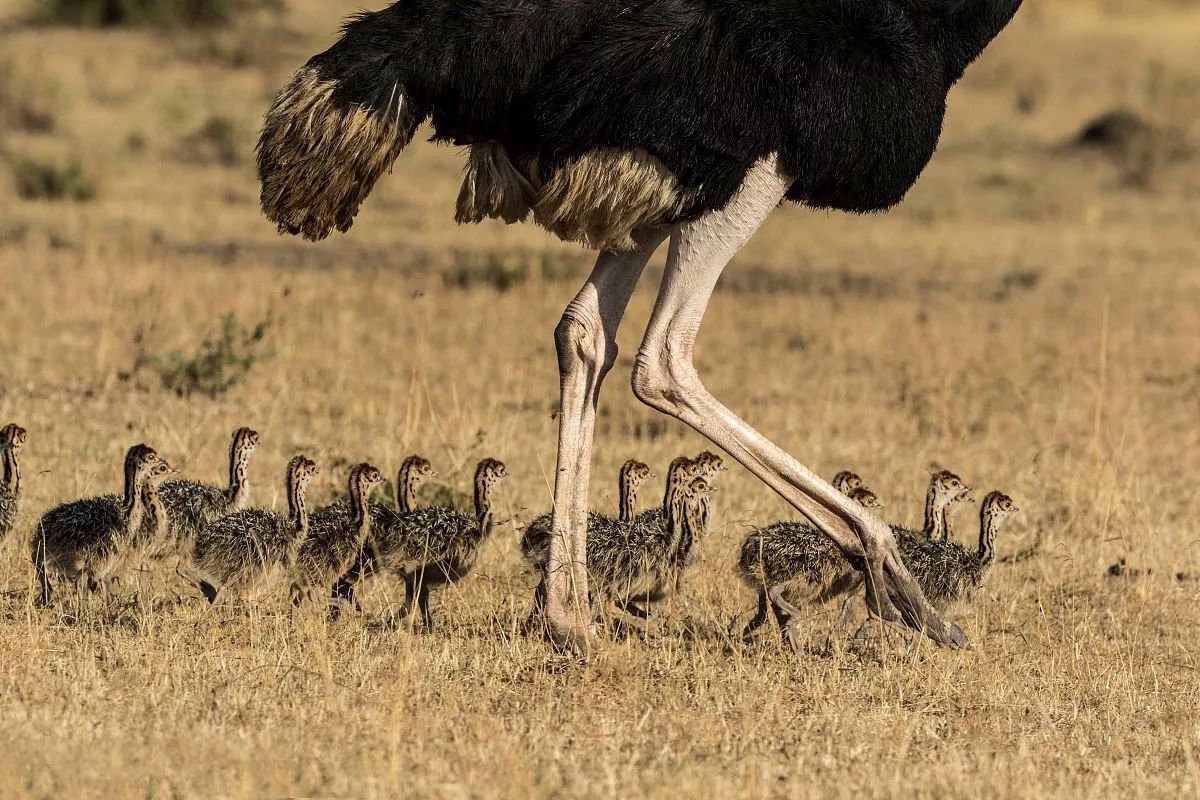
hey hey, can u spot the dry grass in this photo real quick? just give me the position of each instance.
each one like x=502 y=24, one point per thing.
x=1027 y=318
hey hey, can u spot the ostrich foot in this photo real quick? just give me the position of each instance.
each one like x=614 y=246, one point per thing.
x=902 y=599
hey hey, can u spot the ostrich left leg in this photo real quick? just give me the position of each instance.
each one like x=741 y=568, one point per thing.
x=587 y=348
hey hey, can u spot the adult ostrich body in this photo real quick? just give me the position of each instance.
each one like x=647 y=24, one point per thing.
x=622 y=124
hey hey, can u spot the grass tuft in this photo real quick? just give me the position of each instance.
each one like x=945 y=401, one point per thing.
x=38 y=179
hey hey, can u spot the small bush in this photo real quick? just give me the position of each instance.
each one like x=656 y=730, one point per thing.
x=158 y=13
x=220 y=363
x=1138 y=147
x=494 y=270
x=43 y=180
x=215 y=142
x=504 y=270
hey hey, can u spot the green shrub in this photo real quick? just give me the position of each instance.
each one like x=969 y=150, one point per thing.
x=499 y=271
x=220 y=363
x=214 y=142
x=44 y=180
x=159 y=13
x=504 y=270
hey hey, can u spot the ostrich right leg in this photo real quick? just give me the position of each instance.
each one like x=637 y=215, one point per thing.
x=45 y=592
x=771 y=602
x=666 y=379
x=412 y=582
x=423 y=607
x=585 y=340
x=83 y=591
x=760 y=616
x=344 y=589
x=189 y=573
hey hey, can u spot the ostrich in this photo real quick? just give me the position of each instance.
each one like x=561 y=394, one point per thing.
x=12 y=439
x=434 y=546
x=778 y=558
x=783 y=557
x=88 y=541
x=865 y=498
x=726 y=110
x=641 y=551
x=335 y=539
x=535 y=542
x=947 y=570
x=191 y=505
x=414 y=471
x=235 y=551
x=846 y=481
x=944 y=486
x=629 y=480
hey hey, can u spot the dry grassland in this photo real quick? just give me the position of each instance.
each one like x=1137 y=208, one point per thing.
x=1029 y=318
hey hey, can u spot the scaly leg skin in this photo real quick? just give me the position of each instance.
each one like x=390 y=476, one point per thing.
x=190 y=574
x=423 y=607
x=45 y=592
x=346 y=586
x=83 y=590
x=585 y=341
x=785 y=614
x=666 y=379
x=759 y=617
x=536 y=619
x=411 y=582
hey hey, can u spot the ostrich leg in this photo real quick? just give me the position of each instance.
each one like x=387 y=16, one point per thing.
x=586 y=344
x=665 y=378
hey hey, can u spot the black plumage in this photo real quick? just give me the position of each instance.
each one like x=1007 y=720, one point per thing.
x=335 y=538
x=191 y=505
x=235 y=551
x=851 y=95
x=385 y=525
x=89 y=541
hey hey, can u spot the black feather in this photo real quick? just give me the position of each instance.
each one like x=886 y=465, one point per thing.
x=851 y=94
